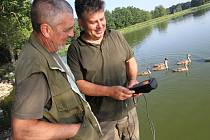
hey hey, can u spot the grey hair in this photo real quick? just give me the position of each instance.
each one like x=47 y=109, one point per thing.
x=46 y=11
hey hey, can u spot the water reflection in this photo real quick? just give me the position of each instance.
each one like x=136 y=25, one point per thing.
x=136 y=37
x=180 y=18
x=162 y=27
x=200 y=12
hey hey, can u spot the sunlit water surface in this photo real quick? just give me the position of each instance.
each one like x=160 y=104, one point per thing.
x=180 y=106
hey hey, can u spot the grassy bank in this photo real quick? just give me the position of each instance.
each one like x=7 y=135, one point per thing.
x=162 y=19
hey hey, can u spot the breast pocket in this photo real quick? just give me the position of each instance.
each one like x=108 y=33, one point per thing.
x=69 y=107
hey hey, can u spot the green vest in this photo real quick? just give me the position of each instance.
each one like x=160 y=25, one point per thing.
x=67 y=106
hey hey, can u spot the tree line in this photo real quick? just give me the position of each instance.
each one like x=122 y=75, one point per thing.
x=15 y=23
x=126 y=16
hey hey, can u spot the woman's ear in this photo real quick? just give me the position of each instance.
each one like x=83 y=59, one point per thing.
x=45 y=30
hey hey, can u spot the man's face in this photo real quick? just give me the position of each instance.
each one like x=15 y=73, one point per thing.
x=62 y=31
x=94 y=24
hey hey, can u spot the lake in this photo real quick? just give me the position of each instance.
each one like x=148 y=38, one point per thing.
x=180 y=106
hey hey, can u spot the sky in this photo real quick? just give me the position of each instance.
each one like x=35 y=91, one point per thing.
x=147 y=5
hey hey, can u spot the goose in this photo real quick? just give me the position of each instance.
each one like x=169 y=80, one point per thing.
x=145 y=73
x=161 y=66
x=181 y=69
x=207 y=60
x=185 y=61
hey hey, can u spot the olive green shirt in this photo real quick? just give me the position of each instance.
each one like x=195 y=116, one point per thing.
x=31 y=96
x=103 y=64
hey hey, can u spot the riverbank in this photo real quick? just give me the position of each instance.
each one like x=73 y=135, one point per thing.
x=162 y=19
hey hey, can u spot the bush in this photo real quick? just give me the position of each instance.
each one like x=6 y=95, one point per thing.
x=5 y=56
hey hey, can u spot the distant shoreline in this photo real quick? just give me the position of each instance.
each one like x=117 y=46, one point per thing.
x=162 y=19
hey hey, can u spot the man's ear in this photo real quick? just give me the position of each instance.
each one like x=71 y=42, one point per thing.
x=80 y=24
x=45 y=30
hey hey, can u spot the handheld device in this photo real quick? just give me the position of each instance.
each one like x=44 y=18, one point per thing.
x=145 y=86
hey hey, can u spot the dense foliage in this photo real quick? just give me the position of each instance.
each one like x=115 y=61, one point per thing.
x=126 y=16
x=159 y=12
x=14 y=23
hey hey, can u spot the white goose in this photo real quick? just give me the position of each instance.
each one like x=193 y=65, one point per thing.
x=181 y=69
x=161 y=66
x=145 y=73
x=185 y=61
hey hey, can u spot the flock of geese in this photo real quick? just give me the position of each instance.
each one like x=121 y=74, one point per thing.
x=164 y=66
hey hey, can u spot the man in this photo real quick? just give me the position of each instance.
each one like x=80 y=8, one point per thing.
x=104 y=68
x=48 y=104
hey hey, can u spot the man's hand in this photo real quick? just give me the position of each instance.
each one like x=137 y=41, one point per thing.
x=131 y=84
x=120 y=93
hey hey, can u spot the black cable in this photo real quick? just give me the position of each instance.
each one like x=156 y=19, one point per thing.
x=151 y=124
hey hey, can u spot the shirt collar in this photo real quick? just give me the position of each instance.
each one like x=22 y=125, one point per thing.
x=82 y=42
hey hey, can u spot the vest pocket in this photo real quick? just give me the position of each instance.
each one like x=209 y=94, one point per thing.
x=68 y=106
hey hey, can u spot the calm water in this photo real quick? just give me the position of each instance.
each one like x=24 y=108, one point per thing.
x=180 y=107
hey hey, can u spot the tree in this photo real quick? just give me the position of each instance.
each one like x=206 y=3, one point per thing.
x=122 y=17
x=159 y=11
x=178 y=7
x=196 y=3
x=186 y=5
x=139 y=15
x=14 y=24
x=109 y=20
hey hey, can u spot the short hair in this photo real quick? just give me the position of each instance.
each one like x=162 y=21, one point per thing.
x=47 y=11
x=82 y=6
